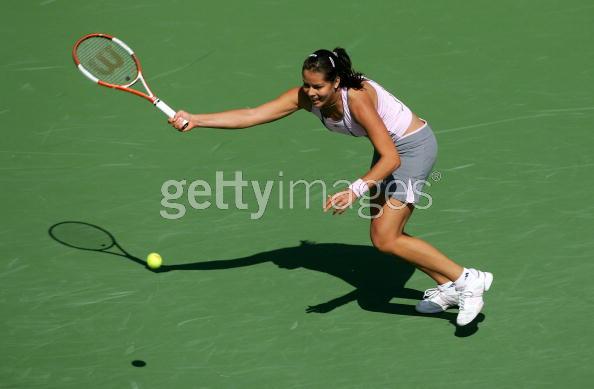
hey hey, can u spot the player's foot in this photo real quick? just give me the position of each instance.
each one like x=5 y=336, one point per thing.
x=438 y=299
x=471 y=296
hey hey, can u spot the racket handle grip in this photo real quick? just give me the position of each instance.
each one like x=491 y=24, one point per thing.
x=167 y=110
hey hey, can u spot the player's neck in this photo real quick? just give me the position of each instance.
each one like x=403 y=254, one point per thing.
x=334 y=108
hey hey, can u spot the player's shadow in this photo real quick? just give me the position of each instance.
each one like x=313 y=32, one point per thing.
x=377 y=278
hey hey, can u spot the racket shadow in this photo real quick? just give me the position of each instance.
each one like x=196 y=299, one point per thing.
x=89 y=237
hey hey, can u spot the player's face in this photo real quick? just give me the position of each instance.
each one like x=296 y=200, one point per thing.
x=320 y=92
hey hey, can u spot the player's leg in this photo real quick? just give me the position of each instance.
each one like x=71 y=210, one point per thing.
x=378 y=202
x=435 y=300
x=387 y=235
x=393 y=207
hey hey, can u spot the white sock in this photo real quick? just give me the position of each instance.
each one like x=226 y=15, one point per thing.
x=443 y=287
x=461 y=281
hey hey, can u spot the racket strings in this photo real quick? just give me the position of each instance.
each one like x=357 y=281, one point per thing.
x=107 y=61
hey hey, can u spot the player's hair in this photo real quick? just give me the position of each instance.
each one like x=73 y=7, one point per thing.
x=332 y=64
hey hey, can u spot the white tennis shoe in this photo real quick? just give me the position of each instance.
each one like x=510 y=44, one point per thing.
x=438 y=299
x=471 y=296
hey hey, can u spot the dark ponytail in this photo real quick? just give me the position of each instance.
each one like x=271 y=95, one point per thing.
x=332 y=64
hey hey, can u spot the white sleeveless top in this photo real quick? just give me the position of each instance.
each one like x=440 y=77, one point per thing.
x=395 y=115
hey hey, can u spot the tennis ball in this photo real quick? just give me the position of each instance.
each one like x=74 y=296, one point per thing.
x=154 y=260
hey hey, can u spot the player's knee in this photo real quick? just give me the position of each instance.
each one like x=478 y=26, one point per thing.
x=382 y=242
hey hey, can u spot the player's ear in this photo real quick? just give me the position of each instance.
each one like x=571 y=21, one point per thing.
x=337 y=82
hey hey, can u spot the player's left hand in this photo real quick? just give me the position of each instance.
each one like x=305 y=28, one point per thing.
x=340 y=201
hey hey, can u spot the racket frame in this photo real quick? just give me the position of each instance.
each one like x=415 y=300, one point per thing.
x=160 y=104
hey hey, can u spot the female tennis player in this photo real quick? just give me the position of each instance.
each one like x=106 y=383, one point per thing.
x=405 y=150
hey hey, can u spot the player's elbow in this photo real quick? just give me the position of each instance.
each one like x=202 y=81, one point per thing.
x=393 y=161
x=251 y=117
x=242 y=118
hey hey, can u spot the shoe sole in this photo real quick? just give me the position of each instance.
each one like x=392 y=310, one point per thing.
x=429 y=312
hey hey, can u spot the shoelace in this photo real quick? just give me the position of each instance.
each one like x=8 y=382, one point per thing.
x=430 y=293
x=462 y=297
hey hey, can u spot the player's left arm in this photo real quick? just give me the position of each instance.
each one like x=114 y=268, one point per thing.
x=363 y=111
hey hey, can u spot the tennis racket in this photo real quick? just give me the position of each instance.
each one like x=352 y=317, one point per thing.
x=109 y=62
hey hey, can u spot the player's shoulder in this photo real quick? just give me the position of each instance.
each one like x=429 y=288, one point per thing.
x=302 y=100
x=292 y=93
x=294 y=96
x=360 y=96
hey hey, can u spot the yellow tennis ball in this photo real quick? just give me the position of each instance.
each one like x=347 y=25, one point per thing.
x=154 y=260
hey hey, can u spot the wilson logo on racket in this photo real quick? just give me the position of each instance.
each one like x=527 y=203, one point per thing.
x=109 y=62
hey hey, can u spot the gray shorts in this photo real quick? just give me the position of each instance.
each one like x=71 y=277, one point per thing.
x=418 y=153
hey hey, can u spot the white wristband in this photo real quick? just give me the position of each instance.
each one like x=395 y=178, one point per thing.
x=359 y=187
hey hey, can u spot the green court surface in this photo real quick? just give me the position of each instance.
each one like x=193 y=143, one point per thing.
x=507 y=87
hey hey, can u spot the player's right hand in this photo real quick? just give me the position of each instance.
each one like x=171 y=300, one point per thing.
x=178 y=121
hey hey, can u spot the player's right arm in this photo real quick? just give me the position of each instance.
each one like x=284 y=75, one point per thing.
x=284 y=105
